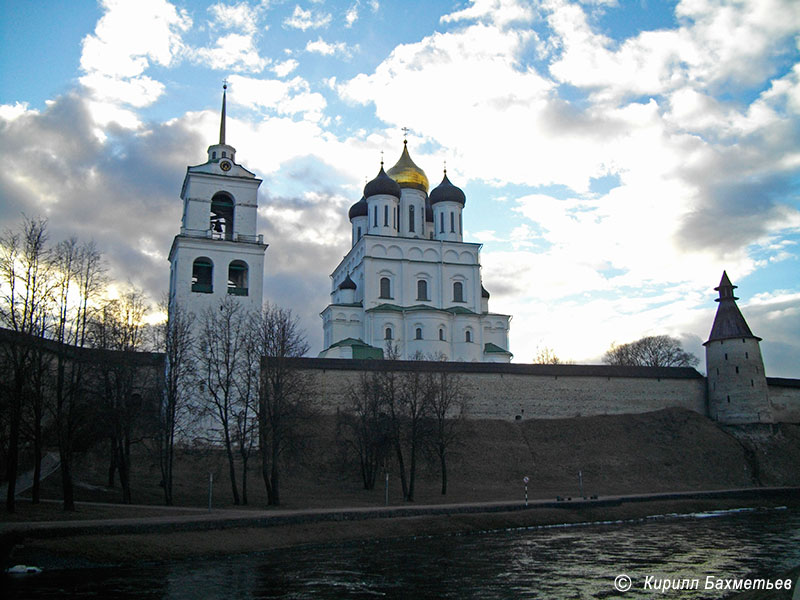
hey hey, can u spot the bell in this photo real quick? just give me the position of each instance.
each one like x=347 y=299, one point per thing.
x=218 y=227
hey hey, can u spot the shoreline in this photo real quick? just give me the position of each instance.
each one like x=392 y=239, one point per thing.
x=118 y=542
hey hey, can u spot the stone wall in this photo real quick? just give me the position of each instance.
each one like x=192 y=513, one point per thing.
x=508 y=391
x=784 y=396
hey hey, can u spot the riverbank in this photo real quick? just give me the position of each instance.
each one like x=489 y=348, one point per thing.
x=105 y=542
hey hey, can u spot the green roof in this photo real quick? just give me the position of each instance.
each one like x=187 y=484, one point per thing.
x=360 y=348
x=491 y=348
x=458 y=310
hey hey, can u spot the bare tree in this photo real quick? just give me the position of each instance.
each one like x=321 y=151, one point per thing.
x=120 y=326
x=448 y=411
x=220 y=357
x=546 y=356
x=285 y=392
x=651 y=351
x=26 y=279
x=416 y=395
x=177 y=344
x=363 y=426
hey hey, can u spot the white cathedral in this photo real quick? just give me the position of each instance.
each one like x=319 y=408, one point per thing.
x=409 y=279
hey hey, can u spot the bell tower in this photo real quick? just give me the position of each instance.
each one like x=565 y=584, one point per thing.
x=218 y=251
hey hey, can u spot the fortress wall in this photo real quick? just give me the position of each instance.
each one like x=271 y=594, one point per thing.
x=784 y=396
x=505 y=391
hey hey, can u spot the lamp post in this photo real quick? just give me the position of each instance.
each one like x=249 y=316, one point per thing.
x=525 y=480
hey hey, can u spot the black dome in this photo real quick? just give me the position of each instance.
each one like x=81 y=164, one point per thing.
x=359 y=209
x=447 y=192
x=347 y=283
x=382 y=184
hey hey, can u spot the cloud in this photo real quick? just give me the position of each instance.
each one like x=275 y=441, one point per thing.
x=282 y=69
x=351 y=16
x=232 y=51
x=115 y=57
x=306 y=19
x=327 y=49
x=284 y=97
x=241 y=17
x=501 y=12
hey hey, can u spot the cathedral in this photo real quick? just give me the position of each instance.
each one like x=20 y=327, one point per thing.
x=409 y=281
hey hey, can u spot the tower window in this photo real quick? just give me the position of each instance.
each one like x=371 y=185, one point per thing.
x=385 y=288
x=387 y=334
x=441 y=334
x=224 y=154
x=746 y=355
x=452 y=222
x=729 y=399
x=213 y=155
x=752 y=383
x=460 y=225
x=237 y=278
x=411 y=218
x=468 y=336
x=422 y=290
x=203 y=275
x=418 y=333
x=358 y=234
x=386 y=216
x=458 y=292
x=221 y=219
x=726 y=356
x=441 y=222
x=737 y=369
x=375 y=215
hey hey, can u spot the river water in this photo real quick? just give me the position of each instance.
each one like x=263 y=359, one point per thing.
x=551 y=562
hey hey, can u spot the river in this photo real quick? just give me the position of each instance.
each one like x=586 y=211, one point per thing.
x=553 y=562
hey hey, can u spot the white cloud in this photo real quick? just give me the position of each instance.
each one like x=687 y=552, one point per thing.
x=9 y=112
x=241 y=17
x=306 y=19
x=282 y=69
x=351 y=16
x=232 y=51
x=284 y=97
x=117 y=54
x=328 y=49
x=501 y=12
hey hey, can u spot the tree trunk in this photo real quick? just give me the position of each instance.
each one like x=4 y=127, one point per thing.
x=112 y=462
x=12 y=465
x=37 y=465
x=275 y=499
x=412 y=473
x=402 y=467
x=443 y=463
x=124 y=473
x=244 y=480
x=66 y=479
x=231 y=469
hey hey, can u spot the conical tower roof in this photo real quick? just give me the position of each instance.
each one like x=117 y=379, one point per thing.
x=407 y=174
x=729 y=322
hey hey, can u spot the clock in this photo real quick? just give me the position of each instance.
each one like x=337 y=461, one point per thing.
x=225 y=165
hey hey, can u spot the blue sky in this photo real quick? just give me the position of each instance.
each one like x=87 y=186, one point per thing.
x=616 y=156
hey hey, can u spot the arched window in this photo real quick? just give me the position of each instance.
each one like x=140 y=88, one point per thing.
x=411 y=217
x=387 y=335
x=441 y=222
x=460 y=224
x=458 y=292
x=452 y=222
x=441 y=334
x=237 y=278
x=221 y=220
x=418 y=333
x=386 y=215
x=203 y=275
x=375 y=216
x=422 y=289
x=358 y=235
x=468 y=336
x=386 y=288
x=213 y=155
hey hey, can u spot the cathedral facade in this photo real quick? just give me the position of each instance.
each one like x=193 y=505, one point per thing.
x=409 y=282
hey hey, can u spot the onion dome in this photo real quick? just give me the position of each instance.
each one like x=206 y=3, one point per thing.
x=347 y=283
x=407 y=174
x=382 y=184
x=484 y=293
x=447 y=192
x=359 y=209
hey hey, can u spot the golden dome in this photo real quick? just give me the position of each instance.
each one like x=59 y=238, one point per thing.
x=407 y=174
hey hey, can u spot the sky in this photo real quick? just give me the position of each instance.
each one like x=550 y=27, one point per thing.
x=616 y=156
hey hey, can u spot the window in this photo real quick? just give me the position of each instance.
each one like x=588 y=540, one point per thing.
x=224 y=154
x=422 y=289
x=458 y=292
x=203 y=275
x=441 y=334
x=746 y=355
x=418 y=333
x=358 y=234
x=213 y=155
x=411 y=218
x=386 y=216
x=375 y=215
x=441 y=222
x=468 y=336
x=221 y=219
x=386 y=290
x=237 y=278
x=737 y=370
x=387 y=335
x=452 y=222
x=460 y=224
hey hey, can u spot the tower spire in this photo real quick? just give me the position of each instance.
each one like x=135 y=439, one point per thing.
x=222 y=119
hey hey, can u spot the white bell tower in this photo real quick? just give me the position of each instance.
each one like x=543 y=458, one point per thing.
x=218 y=251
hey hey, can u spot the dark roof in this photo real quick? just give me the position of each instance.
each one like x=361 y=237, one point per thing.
x=505 y=368
x=484 y=293
x=728 y=322
x=459 y=310
x=359 y=209
x=783 y=382
x=382 y=184
x=447 y=192
x=490 y=348
x=347 y=283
